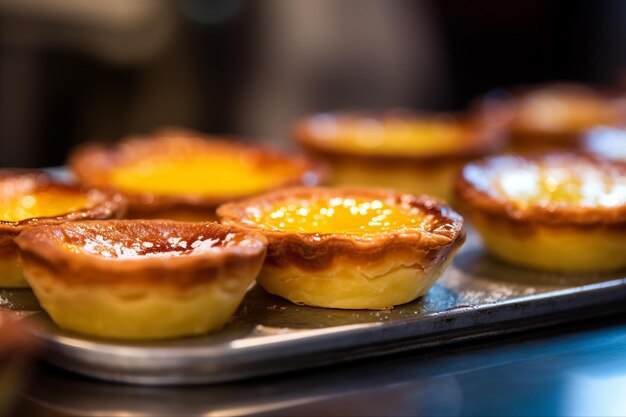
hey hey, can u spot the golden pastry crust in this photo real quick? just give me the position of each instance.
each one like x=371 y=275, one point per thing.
x=563 y=212
x=95 y=164
x=475 y=189
x=346 y=270
x=469 y=136
x=191 y=276
x=17 y=184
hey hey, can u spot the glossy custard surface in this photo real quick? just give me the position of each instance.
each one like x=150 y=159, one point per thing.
x=41 y=203
x=552 y=181
x=358 y=216
x=125 y=241
x=387 y=135
x=205 y=175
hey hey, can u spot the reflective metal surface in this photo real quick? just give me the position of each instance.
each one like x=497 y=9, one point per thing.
x=571 y=370
x=476 y=297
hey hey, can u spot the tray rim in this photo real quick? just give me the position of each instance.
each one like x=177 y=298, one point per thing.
x=178 y=365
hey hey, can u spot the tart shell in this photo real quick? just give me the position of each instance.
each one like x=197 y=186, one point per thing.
x=549 y=236
x=339 y=270
x=144 y=293
x=528 y=136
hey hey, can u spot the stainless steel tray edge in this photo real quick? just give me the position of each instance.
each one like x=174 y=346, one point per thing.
x=269 y=350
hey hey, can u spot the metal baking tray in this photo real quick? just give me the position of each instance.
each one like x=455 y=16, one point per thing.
x=477 y=296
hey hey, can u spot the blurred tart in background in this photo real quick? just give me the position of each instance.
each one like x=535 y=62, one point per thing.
x=553 y=117
x=140 y=279
x=411 y=152
x=349 y=248
x=29 y=198
x=559 y=211
x=181 y=175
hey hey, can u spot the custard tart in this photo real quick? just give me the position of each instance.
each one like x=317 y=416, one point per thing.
x=349 y=248
x=29 y=198
x=560 y=211
x=181 y=175
x=411 y=152
x=140 y=279
x=553 y=117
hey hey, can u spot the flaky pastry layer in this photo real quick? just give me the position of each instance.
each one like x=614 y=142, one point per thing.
x=552 y=247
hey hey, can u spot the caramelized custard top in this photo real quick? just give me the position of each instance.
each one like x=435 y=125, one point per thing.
x=338 y=214
x=223 y=173
x=357 y=212
x=387 y=135
x=556 y=180
x=129 y=240
x=187 y=168
x=395 y=135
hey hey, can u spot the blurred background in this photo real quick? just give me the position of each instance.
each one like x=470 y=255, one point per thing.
x=73 y=71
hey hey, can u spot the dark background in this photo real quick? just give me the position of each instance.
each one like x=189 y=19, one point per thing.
x=73 y=71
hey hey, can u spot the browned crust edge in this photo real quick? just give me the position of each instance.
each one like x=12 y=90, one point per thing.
x=107 y=205
x=37 y=245
x=470 y=199
x=311 y=251
x=92 y=162
x=483 y=137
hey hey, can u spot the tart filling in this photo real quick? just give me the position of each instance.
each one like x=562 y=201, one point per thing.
x=30 y=198
x=349 y=248
x=412 y=152
x=392 y=135
x=556 y=211
x=140 y=279
x=177 y=173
